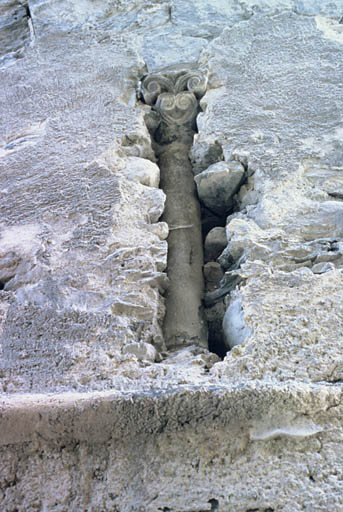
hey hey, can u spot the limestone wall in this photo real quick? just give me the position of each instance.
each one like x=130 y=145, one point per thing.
x=97 y=412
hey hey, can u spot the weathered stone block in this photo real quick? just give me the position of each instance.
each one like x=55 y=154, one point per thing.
x=217 y=185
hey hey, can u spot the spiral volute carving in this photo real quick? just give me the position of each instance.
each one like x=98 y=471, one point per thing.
x=175 y=95
x=153 y=85
x=178 y=109
x=194 y=82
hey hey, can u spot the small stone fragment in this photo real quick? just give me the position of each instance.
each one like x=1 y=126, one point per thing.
x=321 y=268
x=143 y=171
x=215 y=243
x=213 y=273
x=235 y=331
x=143 y=351
x=160 y=229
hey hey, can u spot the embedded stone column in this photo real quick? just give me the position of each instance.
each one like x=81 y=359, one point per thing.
x=174 y=99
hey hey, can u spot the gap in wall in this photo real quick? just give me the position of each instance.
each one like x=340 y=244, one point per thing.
x=172 y=128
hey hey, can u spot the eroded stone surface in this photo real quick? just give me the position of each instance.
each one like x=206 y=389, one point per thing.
x=16 y=31
x=77 y=248
x=83 y=257
x=233 y=445
x=293 y=222
x=217 y=185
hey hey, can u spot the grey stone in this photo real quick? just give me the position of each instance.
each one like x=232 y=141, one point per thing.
x=83 y=258
x=15 y=31
x=320 y=268
x=143 y=351
x=104 y=432
x=218 y=184
x=143 y=171
x=213 y=274
x=174 y=97
x=234 y=328
x=215 y=243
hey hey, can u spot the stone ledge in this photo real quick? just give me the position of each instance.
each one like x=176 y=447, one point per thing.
x=101 y=416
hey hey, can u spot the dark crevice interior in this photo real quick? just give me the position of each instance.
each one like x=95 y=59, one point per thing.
x=216 y=343
x=214 y=504
x=210 y=220
x=260 y=510
x=28 y=12
x=215 y=340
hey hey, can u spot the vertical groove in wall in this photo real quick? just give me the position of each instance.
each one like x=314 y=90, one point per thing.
x=174 y=97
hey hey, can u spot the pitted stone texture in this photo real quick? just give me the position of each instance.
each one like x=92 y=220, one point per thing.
x=77 y=253
x=143 y=351
x=279 y=121
x=70 y=124
x=186 y=29
x=296 y=321
x=247 y=241
x=119 y=451
x=110 y=295
x=179 y=31
x=267 y=132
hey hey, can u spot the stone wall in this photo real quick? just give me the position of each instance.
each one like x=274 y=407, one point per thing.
x=98 y=413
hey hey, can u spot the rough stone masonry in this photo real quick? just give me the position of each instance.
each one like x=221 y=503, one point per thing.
x=97 y=412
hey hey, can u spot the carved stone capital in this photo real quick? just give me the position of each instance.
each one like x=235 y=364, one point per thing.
x=177 y=108
x=174 y=96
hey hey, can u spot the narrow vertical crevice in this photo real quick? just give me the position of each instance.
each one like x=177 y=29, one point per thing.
x=198 y=200
x=174 y=97
x=222 y=182
x=30 y=23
